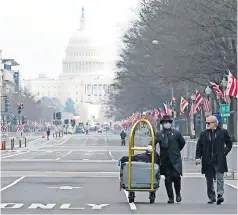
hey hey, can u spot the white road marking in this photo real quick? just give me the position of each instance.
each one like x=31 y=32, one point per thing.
x=67 y=206
x=66 y=187
x=97 y=207
x=37 y=205
x=57 y=144
x=57 y=159
x=132 y=205
x=84 y=142
x=105 y=140
x=12 y=184
x=110 y=153
x=67 y=154
x=11 y=205
x=33 y=140
x=231 y=185
x=53 y=160
x=15 y=154
x=64 y=141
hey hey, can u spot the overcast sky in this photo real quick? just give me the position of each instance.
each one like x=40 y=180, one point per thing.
x=36 y=32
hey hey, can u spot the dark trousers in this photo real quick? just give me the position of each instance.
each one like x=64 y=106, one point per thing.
x=172 y=178
x=210 y=175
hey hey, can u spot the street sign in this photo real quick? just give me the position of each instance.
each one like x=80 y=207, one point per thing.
x=225 y=120
x=225 y=110
x=218 y=116
x=4 y=136
x=3 y=128
x=20 y=128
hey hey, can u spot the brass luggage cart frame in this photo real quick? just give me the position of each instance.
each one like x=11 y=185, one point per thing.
x=132 y=149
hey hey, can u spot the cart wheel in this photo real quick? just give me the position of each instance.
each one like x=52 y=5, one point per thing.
x=131 y=197
x=152 y=197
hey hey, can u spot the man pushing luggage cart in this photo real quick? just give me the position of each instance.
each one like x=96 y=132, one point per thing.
x=145 y=175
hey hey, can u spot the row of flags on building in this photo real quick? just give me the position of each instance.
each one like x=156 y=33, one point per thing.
x=199 y=104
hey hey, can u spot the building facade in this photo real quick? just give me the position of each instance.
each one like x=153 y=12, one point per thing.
x=87 y=74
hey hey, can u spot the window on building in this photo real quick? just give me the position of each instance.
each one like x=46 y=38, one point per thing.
x=100 y=89
x=105 y=90
x=89 y=89
x=95 y=93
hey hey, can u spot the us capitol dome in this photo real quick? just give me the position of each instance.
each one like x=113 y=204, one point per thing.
x=87 y=73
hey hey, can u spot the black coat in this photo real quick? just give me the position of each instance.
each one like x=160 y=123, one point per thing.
x=223 y=143
x=176 y=142
x=123 y=135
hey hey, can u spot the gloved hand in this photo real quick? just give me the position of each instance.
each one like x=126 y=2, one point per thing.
x=198 y=161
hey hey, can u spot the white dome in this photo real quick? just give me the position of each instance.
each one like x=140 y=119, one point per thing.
x=85 y=54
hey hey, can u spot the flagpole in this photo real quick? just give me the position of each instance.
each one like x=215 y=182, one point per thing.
x=173 y=104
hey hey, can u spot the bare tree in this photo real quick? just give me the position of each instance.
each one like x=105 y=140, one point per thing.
x=172 y=43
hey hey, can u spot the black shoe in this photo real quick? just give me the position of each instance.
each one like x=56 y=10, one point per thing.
x=220 y=199
x=178 y=198
x=211 y=201
x=170 y=201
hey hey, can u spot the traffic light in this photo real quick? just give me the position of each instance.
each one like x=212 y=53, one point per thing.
x=6 y=104
x=72 y=122
x=20 y=107
x=23 y=120
x=54 y=116
x=14 y=120
x=58 y=115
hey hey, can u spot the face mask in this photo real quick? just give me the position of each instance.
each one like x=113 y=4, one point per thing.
x=167 y=125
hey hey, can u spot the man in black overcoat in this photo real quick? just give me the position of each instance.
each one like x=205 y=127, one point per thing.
x=171 y=142
x=212 y=148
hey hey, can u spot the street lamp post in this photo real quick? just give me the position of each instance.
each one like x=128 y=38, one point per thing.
x=208 y=92
x=223 y=85
x=173 y=110
x=193 y=118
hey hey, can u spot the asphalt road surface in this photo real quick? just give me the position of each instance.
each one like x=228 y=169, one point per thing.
x=79 y=174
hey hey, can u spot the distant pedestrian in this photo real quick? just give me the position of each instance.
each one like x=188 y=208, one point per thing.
x=123 y=138
x=212 y=148
x=171 y=143
x=48 y=133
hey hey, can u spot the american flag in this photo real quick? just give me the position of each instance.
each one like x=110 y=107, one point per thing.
x=232 y=86
x=198 y=100
x=225 y=97
x=157 y=113
x=217 y=90
x=162 y=113
x=193 y=109
x=183 y=105
x=221 y=93
x=206 y=106
x=167 y=109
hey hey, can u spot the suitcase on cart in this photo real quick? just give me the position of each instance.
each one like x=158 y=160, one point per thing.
x=141 y=175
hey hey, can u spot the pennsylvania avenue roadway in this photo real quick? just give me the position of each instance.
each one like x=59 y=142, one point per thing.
x=79 y=174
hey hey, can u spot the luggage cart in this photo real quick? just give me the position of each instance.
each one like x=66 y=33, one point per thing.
x=132 y=149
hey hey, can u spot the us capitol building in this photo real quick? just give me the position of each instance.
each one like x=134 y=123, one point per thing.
x=86 y=77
